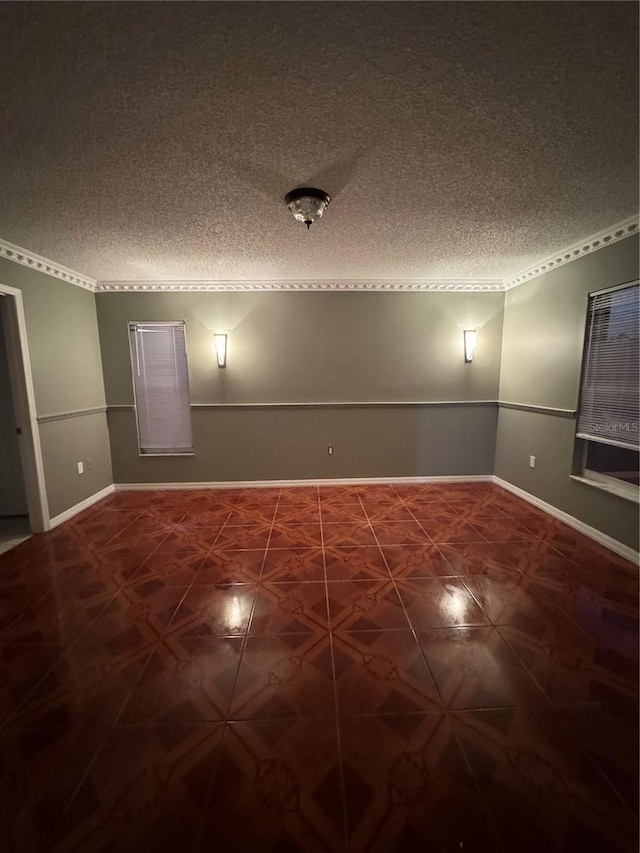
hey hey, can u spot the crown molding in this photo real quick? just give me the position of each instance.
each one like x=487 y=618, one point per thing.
x=380 y=285
x=625 y=228
x=18 y=255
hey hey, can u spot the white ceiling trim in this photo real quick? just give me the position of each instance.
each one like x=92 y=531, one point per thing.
x=619 y=231
x=394 y=285
x=625 y=228
x=29 y=259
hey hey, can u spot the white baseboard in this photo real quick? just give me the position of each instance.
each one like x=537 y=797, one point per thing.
x=599 y=537
x=80 y=507
x=587 y=530
x=285 y=484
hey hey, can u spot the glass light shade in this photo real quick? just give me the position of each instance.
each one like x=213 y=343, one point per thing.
x=220 y=344
x=470 y=340
x=307 y=209
x=307 y=204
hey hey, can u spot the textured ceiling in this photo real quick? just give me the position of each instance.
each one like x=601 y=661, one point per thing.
x=156 y=141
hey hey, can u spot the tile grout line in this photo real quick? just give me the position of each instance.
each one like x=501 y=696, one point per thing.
x=247 y=631
x=264 y=557
x=409 y=623
x=77 y=640
x=226 y=726
x=343 y=792
x=142 y=564
x=226 y=521
x=460 y=518
x=45 y=595
x=225 y=722
x=108 y=729
x=496 y=627
x=499 y=626
x=52 y=838
x=160 y=637
x=212 y=777
x=5 y=724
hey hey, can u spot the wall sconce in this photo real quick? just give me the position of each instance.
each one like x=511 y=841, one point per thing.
x=470 y=340
x=220 y=343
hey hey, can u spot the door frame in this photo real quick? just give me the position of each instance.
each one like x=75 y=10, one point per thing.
x=21 y=379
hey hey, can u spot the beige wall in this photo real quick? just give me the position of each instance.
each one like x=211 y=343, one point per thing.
x=321 y=348
x=67 y=377
x=350 y=349
x=291 y=444
x=544 y=326
x=316 y=347
x=545 y=322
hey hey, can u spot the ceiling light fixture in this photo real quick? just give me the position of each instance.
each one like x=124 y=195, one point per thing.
x=307 y=204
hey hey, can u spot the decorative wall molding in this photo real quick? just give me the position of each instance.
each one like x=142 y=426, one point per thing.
x=348 y=405
x=364 y=285
x=625 y=228
x=539 y=410
x=410 y=404
x=77 y=413
x=29 y=259
x=293 y=406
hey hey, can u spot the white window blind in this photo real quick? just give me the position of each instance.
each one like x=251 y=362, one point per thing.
x=609 y=408
x=161 y=382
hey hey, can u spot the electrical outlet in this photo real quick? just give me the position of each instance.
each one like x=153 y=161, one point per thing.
x=532 y=462
x=80 y=467
x=330 y=450
x=88 y=464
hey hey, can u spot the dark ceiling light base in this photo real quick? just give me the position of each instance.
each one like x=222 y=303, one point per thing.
x=307 y=204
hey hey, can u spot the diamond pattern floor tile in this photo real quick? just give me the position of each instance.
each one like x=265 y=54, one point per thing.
x=285 y=675
x=382 y=672
x=542 y=790
x=290 y=608
x=277 y=787
x=420 y=667
x=475 y=668
x=146 y=790
x=365 y=605
x=185 y=680
x=41 y=770
x=439 y=603
x=407 y=786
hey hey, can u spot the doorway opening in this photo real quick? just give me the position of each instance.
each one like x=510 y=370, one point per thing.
x=23 y=504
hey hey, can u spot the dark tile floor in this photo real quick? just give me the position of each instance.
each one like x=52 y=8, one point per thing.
x=411 y=668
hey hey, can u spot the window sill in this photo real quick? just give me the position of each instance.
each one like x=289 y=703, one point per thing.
x=155 y=455
x=612 y=488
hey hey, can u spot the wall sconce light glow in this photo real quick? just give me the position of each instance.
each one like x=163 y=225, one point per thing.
x=220 y=343
x=470 y=340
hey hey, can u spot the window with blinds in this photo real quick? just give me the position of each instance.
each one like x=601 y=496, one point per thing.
x=609 y=394
x=161 y=384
